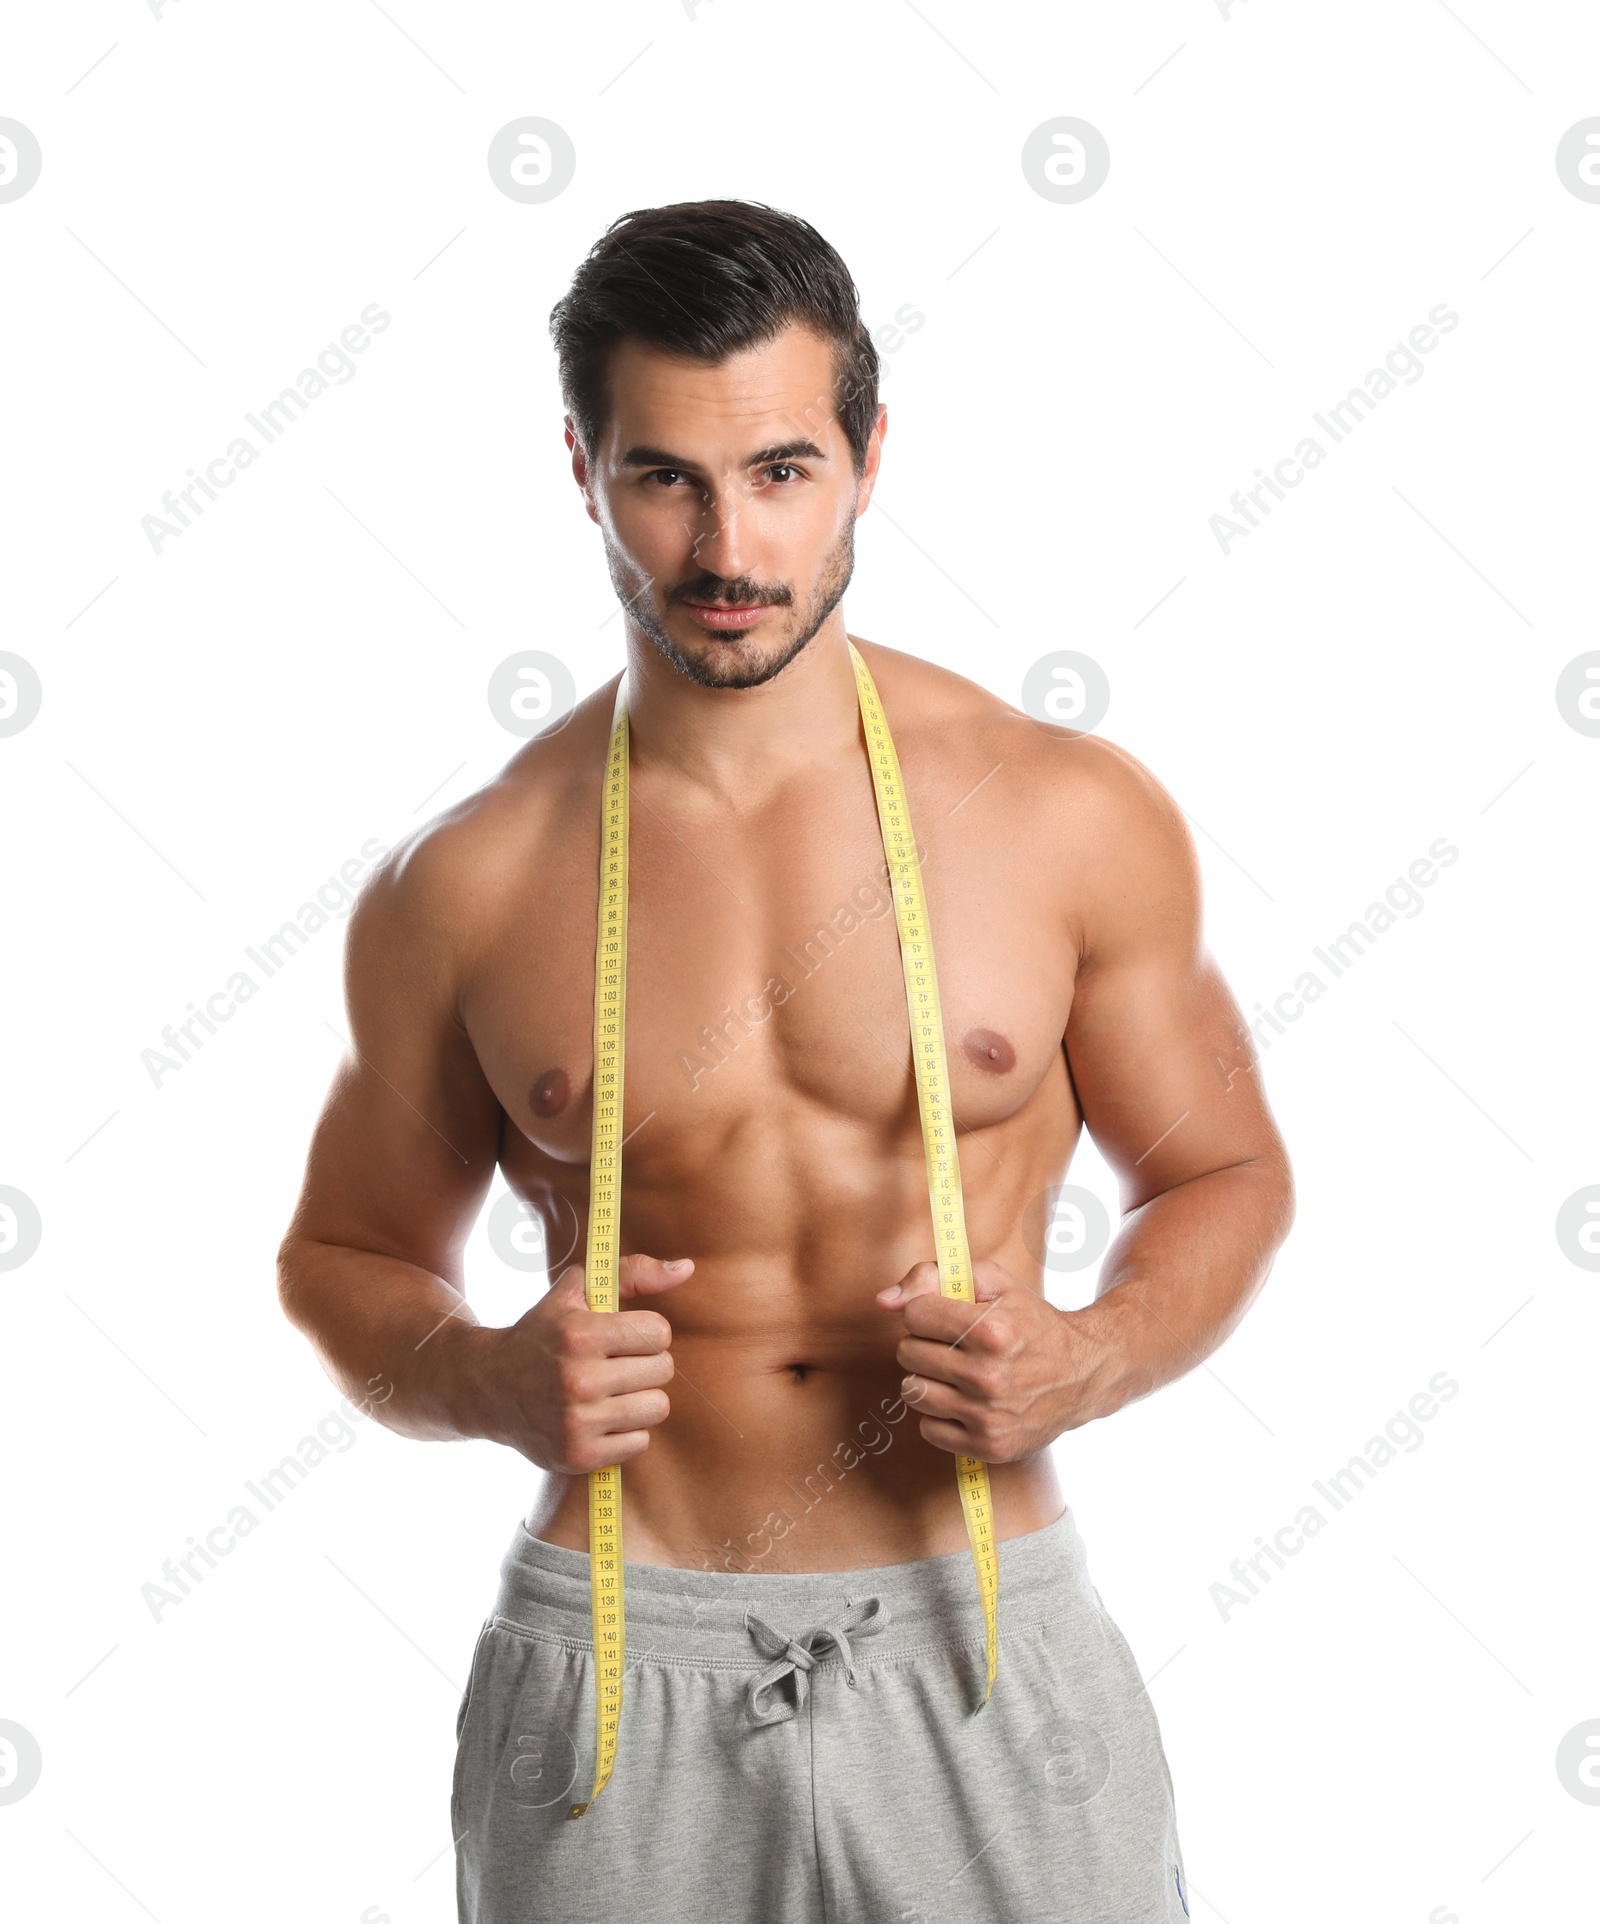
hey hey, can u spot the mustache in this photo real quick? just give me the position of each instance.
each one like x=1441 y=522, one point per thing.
x=717 y=593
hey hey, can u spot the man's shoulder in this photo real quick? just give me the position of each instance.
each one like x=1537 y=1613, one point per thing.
x=465 y=865
x=1065 y=772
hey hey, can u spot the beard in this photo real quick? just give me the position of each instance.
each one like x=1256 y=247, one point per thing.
x=737 y=661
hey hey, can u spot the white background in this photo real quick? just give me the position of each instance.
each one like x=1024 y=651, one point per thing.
x=223 y=724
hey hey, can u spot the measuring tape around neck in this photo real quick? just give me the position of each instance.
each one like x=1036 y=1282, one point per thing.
x=602 y=1290
x=933 y=1104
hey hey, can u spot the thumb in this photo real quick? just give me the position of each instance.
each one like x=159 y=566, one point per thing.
x=570 y=1286
x=636 y=1276
x=649 y=1275
x=922 y=1279
x=990 y=1282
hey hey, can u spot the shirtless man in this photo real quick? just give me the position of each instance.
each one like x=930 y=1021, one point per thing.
x=785 y=1386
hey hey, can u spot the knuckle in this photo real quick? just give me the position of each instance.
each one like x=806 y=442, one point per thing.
x=573 y=1380
x=569 y=1336
x=982 y=1377
x=651 y=1372
x=651 y=1330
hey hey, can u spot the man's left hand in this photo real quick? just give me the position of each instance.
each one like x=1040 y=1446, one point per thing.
x=998 y=1379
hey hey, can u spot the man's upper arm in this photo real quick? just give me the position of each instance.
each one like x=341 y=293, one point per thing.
x=1159 y=1053
x=409 y=1135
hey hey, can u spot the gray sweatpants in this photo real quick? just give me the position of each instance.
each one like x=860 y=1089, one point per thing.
x=799 y=1749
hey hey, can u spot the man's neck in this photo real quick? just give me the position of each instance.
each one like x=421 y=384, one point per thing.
x=740 y=743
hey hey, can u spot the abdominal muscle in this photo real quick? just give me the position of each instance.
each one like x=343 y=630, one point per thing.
x=826 y=1471
x=789 y=1446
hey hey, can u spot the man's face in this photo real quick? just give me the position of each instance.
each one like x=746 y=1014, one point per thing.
x=727 y=502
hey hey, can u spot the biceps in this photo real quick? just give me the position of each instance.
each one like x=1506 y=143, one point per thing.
x=404 y=1148
x=1165 y=1071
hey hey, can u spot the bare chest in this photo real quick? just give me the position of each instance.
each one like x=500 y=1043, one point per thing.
x=764 y=979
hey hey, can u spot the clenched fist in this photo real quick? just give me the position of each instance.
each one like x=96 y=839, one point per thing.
x=999 y=1379
x=574 y=1388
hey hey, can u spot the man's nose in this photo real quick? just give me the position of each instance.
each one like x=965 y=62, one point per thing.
x=722 y=535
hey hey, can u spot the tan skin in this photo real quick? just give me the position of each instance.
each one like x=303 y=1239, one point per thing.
x=781 y=1165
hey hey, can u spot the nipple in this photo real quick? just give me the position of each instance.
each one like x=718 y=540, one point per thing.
x=550 y=1093
x=989 y=1050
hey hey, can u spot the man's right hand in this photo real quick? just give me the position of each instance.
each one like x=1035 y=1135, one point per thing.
x=573 y=1388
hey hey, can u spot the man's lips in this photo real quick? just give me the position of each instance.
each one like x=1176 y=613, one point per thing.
x=720 y=615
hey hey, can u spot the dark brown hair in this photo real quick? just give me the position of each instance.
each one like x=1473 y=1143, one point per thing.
x=707 y=279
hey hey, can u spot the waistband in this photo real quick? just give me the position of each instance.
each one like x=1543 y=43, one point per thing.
x=704 y=1614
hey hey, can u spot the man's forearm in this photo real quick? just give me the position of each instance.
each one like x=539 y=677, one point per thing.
x=1180 y=1275
x=396 y=1339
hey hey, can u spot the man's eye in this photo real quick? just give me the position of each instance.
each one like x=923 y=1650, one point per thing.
x=781 y=470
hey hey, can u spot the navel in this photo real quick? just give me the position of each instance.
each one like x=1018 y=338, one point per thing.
x=990 y=1050
x=550 y=1093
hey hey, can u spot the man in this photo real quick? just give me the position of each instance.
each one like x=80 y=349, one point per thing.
x=785 y=1386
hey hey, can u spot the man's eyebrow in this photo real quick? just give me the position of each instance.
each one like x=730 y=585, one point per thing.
x=648 y=457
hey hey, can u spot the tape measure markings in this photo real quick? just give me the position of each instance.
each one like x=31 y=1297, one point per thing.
x=931 y=1066
x=938 y=1130
x=602 y=1288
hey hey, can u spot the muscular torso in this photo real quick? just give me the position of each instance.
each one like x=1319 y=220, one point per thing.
x=770 y=1115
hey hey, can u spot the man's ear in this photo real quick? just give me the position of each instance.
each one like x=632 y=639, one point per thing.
x=580 y=466
x=874 y=455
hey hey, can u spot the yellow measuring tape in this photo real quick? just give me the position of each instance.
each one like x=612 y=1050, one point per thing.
x=939 y=1149
x=933 y=1101
x=602 y=1289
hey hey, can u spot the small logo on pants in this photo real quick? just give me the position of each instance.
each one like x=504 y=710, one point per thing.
x=541 y=1765
x=1071 y=1762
